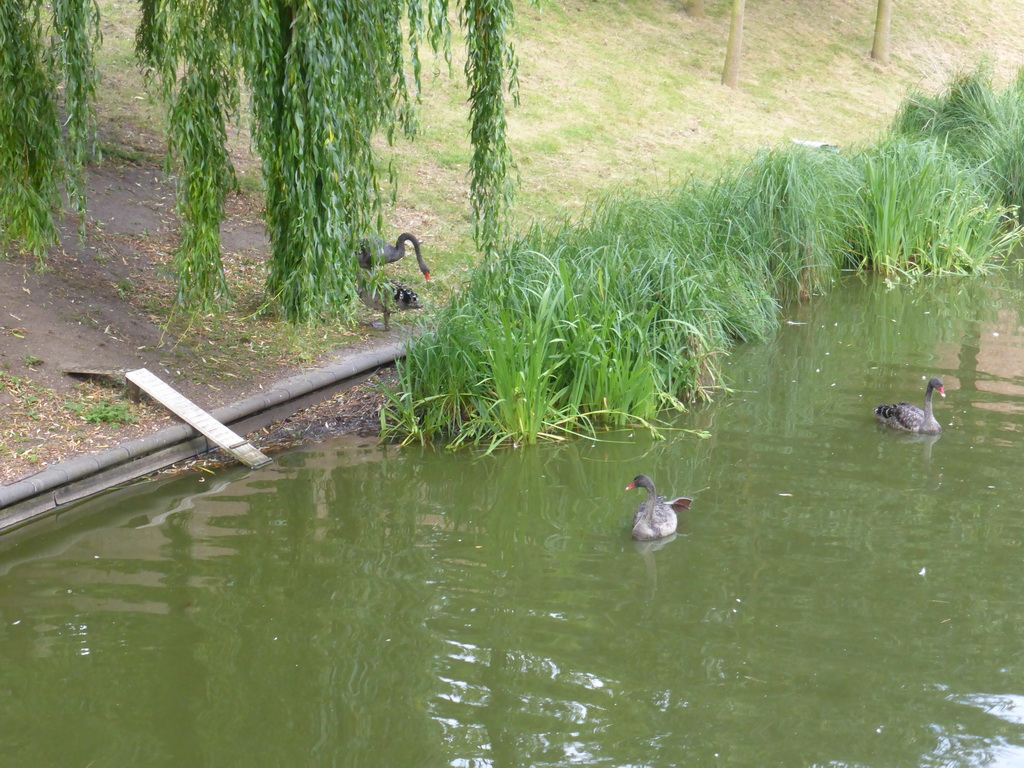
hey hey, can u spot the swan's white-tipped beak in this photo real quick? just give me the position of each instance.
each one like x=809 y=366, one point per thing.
x=942 y=391
x=630 y=487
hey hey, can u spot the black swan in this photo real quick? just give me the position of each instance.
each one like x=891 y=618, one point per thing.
x=656 y=517
x=909 y=417
x=397 y=296
x=371 y=251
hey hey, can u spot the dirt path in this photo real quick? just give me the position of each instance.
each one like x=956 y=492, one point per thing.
x=76 y=313
x=95 y=306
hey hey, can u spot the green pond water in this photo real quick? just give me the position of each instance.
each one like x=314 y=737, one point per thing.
x=841 y=595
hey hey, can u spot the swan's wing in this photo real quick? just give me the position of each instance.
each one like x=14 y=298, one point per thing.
x=680 y=504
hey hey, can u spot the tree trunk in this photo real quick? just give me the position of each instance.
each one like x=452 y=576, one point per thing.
x=731 y=73
x=695 y=8
x=880 y=48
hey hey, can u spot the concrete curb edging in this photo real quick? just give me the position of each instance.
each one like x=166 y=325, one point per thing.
x=45 y=492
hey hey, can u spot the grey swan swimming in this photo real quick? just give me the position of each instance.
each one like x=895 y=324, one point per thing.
x=656 y=517
x=397 y=296
x=370 y=252
x=910 y=418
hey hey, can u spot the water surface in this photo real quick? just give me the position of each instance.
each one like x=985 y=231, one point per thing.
x=841 y=595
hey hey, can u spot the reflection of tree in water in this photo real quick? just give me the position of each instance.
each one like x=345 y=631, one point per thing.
x=270 y=623
x=335 y=663
x=80 y=637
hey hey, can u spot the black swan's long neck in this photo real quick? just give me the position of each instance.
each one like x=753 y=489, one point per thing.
x=406 y=237
x=928 y=402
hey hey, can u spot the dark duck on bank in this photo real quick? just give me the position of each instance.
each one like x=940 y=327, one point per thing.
x=910 y=418
x=656 y=518
x=390 y=296
x=375 y=252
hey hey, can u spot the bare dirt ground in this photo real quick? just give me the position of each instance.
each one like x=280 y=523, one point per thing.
x=89 y=307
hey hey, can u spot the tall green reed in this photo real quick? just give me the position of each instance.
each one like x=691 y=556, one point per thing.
x=800 y=208
x=922 y=210
x=979 y=125
x=598 y=323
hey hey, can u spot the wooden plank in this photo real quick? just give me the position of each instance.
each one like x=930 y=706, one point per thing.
x=192 y=414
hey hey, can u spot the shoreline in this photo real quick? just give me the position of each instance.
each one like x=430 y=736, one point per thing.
x=299 y=410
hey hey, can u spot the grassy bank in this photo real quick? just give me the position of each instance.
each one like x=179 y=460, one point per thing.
x=627 y=311
x=612 y=94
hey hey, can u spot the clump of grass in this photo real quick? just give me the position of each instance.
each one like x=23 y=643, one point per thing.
x=580 y=325
x=104 y=412
x=922 y=210
x=982 y=127
x=543 y=356
x=800 y=209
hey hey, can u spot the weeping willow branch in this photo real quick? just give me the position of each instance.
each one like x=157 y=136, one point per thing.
x=77 y=24
x=191 y=50
x=326 y=77
x=30 y=148
x=491 y=58
x=197 y=142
